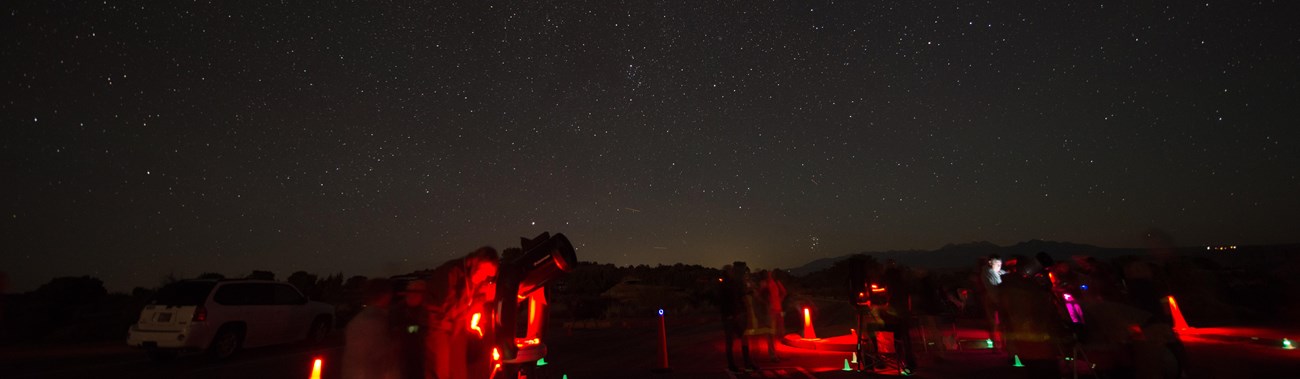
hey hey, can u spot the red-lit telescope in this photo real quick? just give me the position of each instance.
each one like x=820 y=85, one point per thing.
x=521 y=280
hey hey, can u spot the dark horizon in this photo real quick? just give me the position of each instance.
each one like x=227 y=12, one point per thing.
x=798 y=270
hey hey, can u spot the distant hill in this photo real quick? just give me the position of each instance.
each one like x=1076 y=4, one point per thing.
x=967 y=254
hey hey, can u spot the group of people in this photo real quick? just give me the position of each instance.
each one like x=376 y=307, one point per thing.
x=431 y=328
x=750 y=305
x=1040 y=310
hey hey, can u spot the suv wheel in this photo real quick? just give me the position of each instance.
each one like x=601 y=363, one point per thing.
x=227 y=342
x=320 y=328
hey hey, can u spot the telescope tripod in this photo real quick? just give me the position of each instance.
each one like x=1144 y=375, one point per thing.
x=871 y=355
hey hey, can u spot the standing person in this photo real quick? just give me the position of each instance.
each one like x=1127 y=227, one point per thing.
x=899 y=313
x=731 y=302
x=776 y=311
x=408 y=322
x=463 y=288
x=369 y=352
x=929 y=307
x=1033 y=330
x=990 y=279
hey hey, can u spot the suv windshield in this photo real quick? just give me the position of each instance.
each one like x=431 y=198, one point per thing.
x=184 y=293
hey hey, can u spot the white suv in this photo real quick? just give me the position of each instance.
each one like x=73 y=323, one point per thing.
x=222 y=316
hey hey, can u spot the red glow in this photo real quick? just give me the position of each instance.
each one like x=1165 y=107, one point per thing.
x=532 y=312
x=1135 y=333
x=521 y=342
x=473 y=323
x=1051 y=277
x=808 y=332
x=1180 y=323
x=496 y=357
x=315 y=368
x=200 y=314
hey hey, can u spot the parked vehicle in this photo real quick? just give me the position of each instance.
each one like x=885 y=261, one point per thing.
x=223 y=316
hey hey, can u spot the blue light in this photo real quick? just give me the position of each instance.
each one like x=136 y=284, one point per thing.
x=661 y=311
x=1084 y=287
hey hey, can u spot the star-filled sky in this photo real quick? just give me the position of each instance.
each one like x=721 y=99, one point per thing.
x=378 y=137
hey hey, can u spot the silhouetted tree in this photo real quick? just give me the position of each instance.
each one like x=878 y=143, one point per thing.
x=262 y=275
x=72 y=290
x=305 y=281
x=141 y=294
x=68 y=298
x=168 y=280
x=330 y=289
x=211 y=275
x=354 y=283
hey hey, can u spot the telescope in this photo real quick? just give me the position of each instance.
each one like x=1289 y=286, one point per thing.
x=521 y=280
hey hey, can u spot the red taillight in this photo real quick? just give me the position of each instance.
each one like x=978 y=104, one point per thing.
x=200 y=314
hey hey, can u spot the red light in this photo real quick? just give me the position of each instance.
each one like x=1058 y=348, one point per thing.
x=316 y=368
x=532 y=312
x=1180 y=323
x=808 y=332
x=473 y=323
x=200 y=314
x=496 y=354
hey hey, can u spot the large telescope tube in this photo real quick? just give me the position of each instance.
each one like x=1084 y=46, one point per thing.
x=544 y=259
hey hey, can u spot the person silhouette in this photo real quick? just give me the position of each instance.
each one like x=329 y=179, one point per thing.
x=731 y=303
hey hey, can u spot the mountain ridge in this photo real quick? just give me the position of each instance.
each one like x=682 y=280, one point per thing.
x=956 y=255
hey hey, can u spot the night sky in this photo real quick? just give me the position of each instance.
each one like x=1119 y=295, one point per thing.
x=379 y=137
